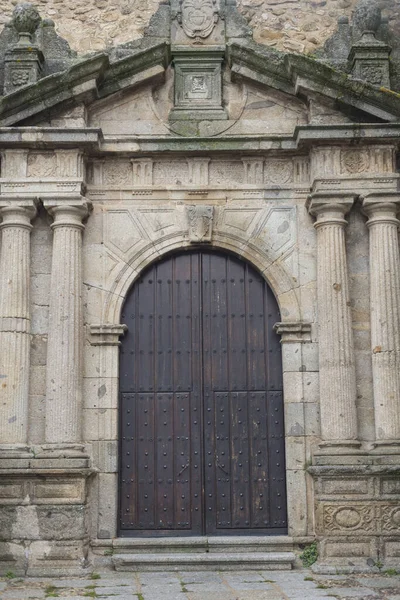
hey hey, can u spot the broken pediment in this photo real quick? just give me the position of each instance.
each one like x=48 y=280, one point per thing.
x=192 y=77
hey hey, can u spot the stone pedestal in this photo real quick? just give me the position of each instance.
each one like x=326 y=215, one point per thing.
x=65 y=340
x=336 y=350
x=385 y=314
x=15 y=320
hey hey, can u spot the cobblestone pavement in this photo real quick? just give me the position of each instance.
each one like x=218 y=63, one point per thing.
x=205 y=585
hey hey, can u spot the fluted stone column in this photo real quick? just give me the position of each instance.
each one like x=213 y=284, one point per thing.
x=385 y=314
x=336 y=348
x=65 y=340
x=15 y=320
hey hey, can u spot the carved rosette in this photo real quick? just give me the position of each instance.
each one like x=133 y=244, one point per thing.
x=198 y=17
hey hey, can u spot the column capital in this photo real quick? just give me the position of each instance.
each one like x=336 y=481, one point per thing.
x=330 y=208
x=381 y=208
x=17 y=213
x=68 y=212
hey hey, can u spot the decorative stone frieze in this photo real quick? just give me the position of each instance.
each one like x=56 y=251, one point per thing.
x=336 y=348
x=384 y=257
x=65 y=339
x=198 y=171
x=142 y=172
x=15 y=318
x=253 y=170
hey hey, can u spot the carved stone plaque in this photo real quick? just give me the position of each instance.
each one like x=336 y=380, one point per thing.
x=200 y=223
x=198 y=17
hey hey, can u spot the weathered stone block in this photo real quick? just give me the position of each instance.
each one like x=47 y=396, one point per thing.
x=61 y=522
x=56 y=559
x=108 y=501
x=12 y=558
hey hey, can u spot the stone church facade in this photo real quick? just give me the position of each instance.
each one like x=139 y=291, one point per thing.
x=198 y=233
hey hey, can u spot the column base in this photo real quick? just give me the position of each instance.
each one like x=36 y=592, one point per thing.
x=340 y=445
x=386 y=447
x=15 y=451
x=65 y=450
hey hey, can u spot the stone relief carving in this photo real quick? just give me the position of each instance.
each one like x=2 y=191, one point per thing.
x=390 y=518
x=198 y=17
x=226 y=173
x=349 y=518
x=171 y=173
x=373 y=74
x=278 y=172
x=42 y=165
x=354 y=161
x=200 y=219
x=117 y=173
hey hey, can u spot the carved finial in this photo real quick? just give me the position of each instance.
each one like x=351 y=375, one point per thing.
x=26 y=20
x=367 y=16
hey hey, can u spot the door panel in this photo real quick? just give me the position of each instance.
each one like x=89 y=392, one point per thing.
x=202 y=437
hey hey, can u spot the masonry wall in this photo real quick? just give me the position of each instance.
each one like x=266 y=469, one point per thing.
x=293 y=25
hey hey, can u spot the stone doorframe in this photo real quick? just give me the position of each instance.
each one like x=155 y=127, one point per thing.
x=103 y=350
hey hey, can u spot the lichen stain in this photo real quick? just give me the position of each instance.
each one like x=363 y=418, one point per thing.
x=101 y=391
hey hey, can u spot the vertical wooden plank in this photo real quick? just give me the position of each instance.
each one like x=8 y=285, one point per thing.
x=209 y=505
x=256 y=330
x=164 y=461
x=128 y=481
x=277 y=468
x=145 y=362
x=236 y=325
x=196 y=399
x=182 y=504
x=240 y=468
x=146 y=461
x=182 y=323
x=218 y=318
x=163 y=327
x=259 y=459
x=223 y=500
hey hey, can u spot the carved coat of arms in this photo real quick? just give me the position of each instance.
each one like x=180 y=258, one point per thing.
x=200 y=223
x=198 y=17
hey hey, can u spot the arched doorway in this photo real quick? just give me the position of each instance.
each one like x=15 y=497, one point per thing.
x=201 y=407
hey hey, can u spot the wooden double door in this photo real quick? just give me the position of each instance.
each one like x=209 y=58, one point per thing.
x=201 y=408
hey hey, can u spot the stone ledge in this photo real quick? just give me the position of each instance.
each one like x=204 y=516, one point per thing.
x=194 y=561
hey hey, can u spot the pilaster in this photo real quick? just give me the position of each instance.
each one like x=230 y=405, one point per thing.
x=384 y=255
x=65 y=340
x=336 y=348
x=15 y=319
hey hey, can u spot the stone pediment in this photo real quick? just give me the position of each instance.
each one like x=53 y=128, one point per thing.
x=179 y=77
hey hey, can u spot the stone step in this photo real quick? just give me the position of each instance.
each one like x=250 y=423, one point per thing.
x=230 y=544
x=195 y=561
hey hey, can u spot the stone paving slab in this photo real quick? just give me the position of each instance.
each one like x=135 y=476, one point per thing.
x=204 y=585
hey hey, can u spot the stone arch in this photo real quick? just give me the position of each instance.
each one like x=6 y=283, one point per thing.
x=273 y=271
